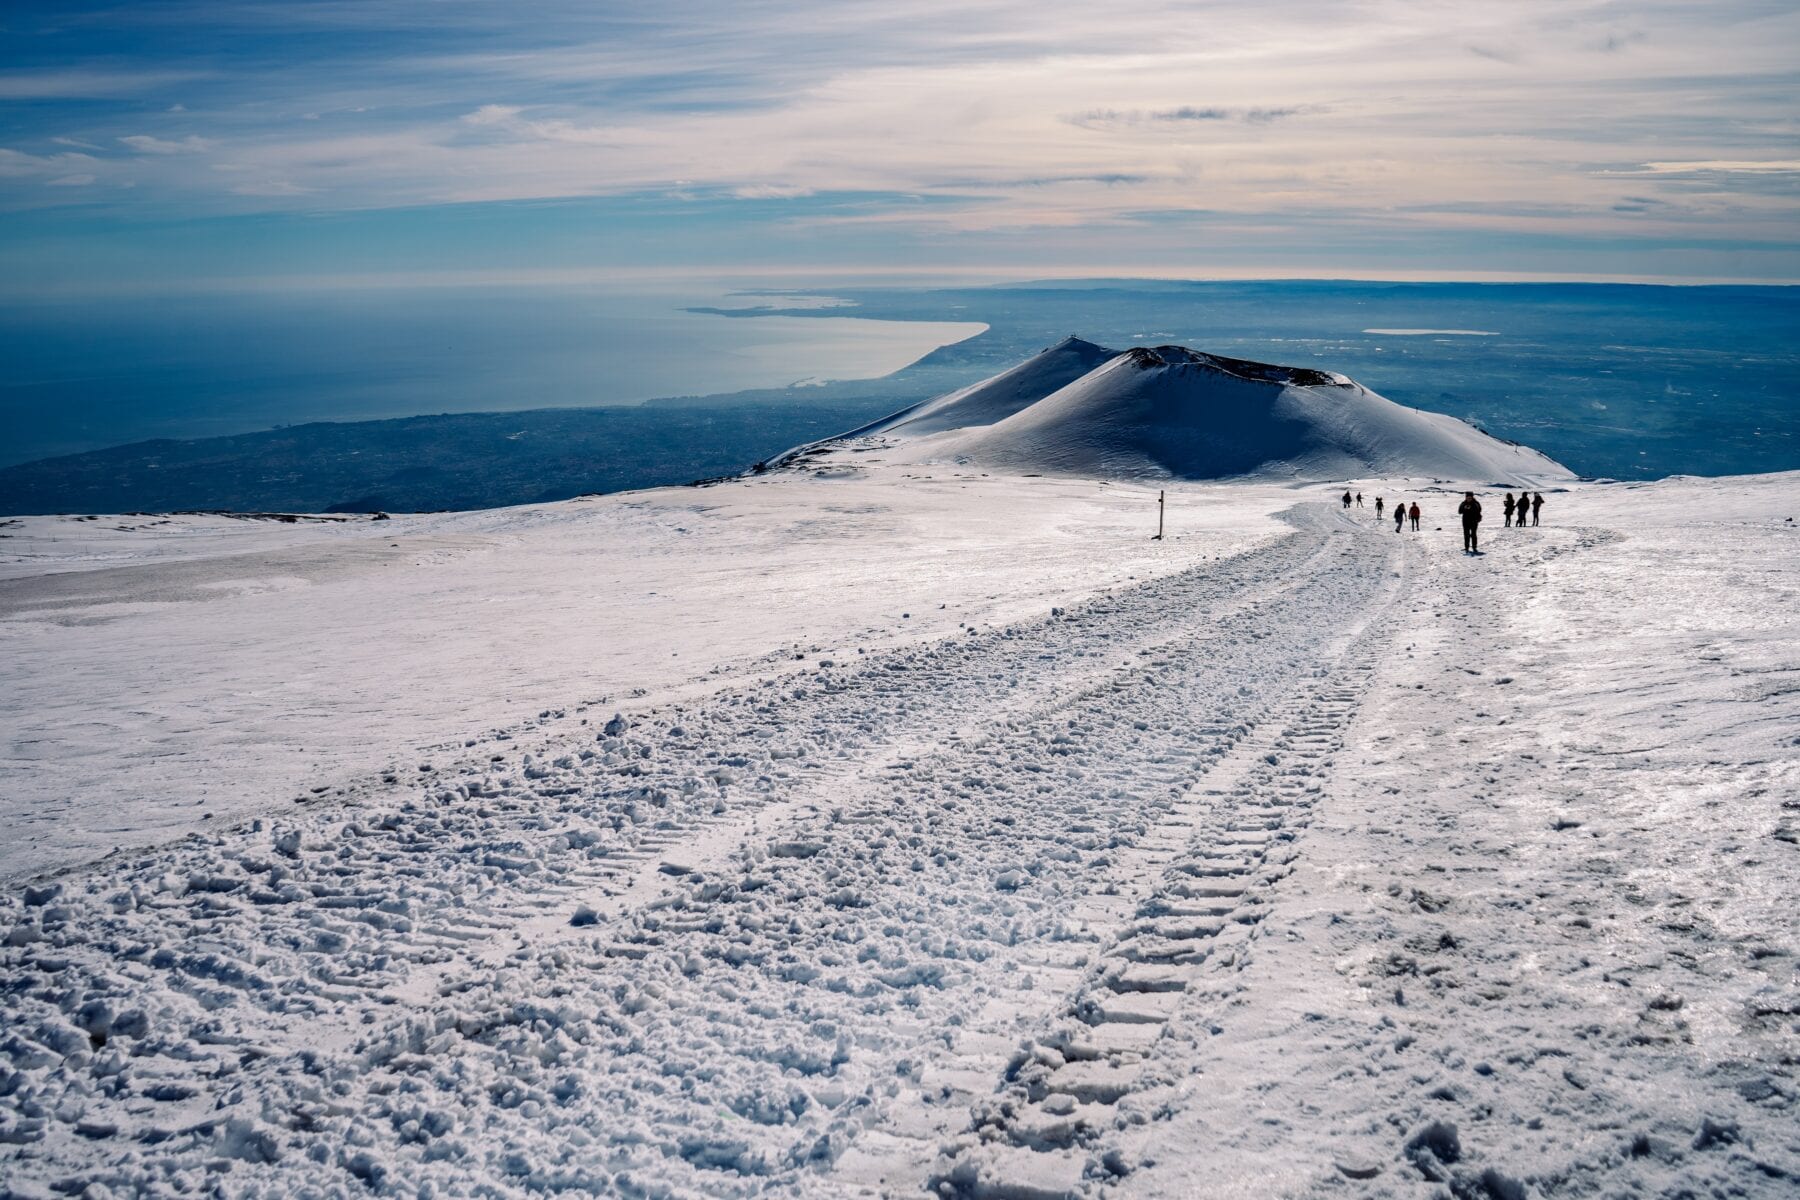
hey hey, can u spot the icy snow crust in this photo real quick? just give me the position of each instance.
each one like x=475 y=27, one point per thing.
x=1172 y=412
x=1323 y=861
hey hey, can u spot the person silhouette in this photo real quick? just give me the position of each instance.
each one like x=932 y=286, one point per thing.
x=1470 y=511
x=1537 y=506
x=1415 y=516
x=1509 y=510
x=1378 y=508
x=1399 y=516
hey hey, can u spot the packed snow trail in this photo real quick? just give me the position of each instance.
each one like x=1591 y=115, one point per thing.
x=1065 y=1120
x=710 y=950
x=1540 y=936
x=1525 y=925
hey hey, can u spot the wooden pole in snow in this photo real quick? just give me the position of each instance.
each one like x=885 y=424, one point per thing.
x=1159 y=517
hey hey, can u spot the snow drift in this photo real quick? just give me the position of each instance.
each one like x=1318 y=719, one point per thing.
x=1172 y=412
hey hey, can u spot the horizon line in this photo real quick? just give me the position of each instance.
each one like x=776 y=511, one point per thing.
x=888 y=276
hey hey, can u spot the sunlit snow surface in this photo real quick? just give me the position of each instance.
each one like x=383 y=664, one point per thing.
x=169 y=669
x=1288 y=855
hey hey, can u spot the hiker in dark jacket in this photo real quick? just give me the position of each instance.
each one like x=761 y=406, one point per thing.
x=1399 y=516
x=1537 y=506
x=1415 y=516
x=1378 y=508
x=1470 y=511
x=1346 y=499
x=1509 y=508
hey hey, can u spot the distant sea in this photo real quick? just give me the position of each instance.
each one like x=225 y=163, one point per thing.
x=1625 y=381
x=77 y=376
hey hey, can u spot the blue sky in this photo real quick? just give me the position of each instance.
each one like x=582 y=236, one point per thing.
x=286 y=143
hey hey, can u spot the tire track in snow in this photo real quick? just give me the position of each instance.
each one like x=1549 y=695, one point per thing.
x=1048 y=1131
x=708 y=843
x=1528 y=931
x=884 y=916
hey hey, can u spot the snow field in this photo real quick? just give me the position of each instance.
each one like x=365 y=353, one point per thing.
x=164 y=676
x=1539 y=938
x=735 y=1032
x=1345 y=865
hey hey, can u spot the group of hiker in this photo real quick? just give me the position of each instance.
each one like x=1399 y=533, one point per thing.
x=1401 y=512
x=1527 y=504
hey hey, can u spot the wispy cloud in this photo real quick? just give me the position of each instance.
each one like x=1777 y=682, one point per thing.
x=1500 y=54
x=1186 y=114
x=1615 y=41
x=1634 y=118
x=770 y=191
x=1722 y=165
x=82 y=82
x=271 y=187
x=17 y=165
x=144 y=143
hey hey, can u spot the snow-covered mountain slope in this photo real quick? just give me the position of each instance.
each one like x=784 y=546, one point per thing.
x=1175 y=413
x=164 y=669
x=1315 y=860
x=993 y=399
x=1001 y=396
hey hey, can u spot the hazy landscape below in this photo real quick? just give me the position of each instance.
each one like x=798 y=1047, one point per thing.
x=88 y=375
x=422 y=464
x=1613 y=380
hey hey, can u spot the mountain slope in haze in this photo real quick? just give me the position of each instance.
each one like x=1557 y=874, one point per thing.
x=1172 y=412
x=419 y=464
